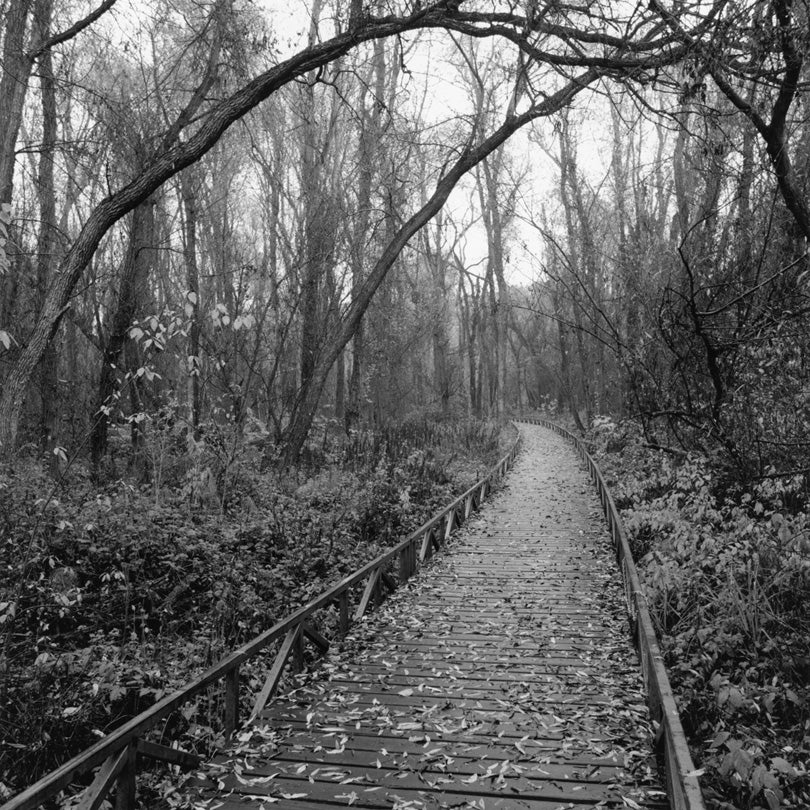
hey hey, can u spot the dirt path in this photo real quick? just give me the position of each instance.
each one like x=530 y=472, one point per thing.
x=502 y=676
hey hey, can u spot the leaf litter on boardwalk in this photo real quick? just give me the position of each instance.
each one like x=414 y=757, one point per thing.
x=503 y=686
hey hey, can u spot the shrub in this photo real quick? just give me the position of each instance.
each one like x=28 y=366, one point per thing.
x=111 y=596
x=728 y=584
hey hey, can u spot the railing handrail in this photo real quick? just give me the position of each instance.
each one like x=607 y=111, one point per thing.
x=682 y=779
x=128 y=733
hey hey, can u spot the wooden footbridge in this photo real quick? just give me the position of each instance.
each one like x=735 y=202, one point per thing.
x=502 y=674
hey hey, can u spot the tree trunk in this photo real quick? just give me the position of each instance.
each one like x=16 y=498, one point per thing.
x=468 y=307
x=13 y=87
x=309 y=395
x=134 y=275
x=578 y=250
x=494 y=221
x=165 y=163
x=46 y=246
x=192 y=303
x=565 y=369
x=369 y=147
x=16 y=69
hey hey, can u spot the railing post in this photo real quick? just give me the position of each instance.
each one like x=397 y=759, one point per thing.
x=427 y=546
x=404 y=564
x=298 y=653
x=125 y=784
x=231 y=720
x=343 y=608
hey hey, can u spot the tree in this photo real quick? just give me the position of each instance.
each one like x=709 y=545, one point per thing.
x=27 y=37
x=470 y=157
x=762 y=47
x=551 y=44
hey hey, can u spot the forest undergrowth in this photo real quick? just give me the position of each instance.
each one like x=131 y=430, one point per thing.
x=113 y=596
x=726 y=570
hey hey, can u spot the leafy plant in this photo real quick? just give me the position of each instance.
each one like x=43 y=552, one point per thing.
x=131 y=589
x=728 y=584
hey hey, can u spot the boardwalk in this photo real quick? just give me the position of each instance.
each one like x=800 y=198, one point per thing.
x=502 y=676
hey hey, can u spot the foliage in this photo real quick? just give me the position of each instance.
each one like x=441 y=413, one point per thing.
x=728 y=583
x=110 y=597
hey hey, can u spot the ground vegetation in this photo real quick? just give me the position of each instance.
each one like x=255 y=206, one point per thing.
x=123 y=593
x=727 y=578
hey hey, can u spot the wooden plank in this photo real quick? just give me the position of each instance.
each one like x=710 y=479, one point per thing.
x=426 y=550
x=405 y=564
x=434 y=759
x=125 y=782
x=231 y=719
x=315 y=637
x=422 y=724
x=388 y=581
x=276 y=671
x=303 y=742
x=343 y=613
x=97 y=791
x=472 y=676
x=298 y=651
x=389 y=786
x=487 y=736
x=493 y=698
x=482 y=688
x=368 y=595
x=174 y=756
x=450 y=524
x=370 y=799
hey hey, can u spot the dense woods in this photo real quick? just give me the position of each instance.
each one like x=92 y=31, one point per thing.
x=263 y=267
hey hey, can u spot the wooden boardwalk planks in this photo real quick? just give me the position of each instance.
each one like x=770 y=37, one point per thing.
x=501 y=677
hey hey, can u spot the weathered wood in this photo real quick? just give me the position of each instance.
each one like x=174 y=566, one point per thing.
x=343 y=613
x=389 y=581
x=231 y=719
x=174 y=756
x=469 y=505
x=565 y=770
x=542 y=749
x=298 y=651
x=405 y=564
x=445 y=786
x=276 y=671
x=368 y=595
x=426 y=550
x=321 y=642
x=125 y=783
x=450 y=524
x=97 y=791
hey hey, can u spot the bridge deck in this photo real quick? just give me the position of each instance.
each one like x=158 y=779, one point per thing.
x=502 y=676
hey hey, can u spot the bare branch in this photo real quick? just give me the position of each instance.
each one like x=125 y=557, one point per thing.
x=76 y=28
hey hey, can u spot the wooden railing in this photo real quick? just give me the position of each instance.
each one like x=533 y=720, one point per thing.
x=683 y=787
x=116 y=755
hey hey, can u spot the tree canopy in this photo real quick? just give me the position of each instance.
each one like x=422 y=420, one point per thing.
x=156 y=97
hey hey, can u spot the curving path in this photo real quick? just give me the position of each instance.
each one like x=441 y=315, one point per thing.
x=502 y=676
